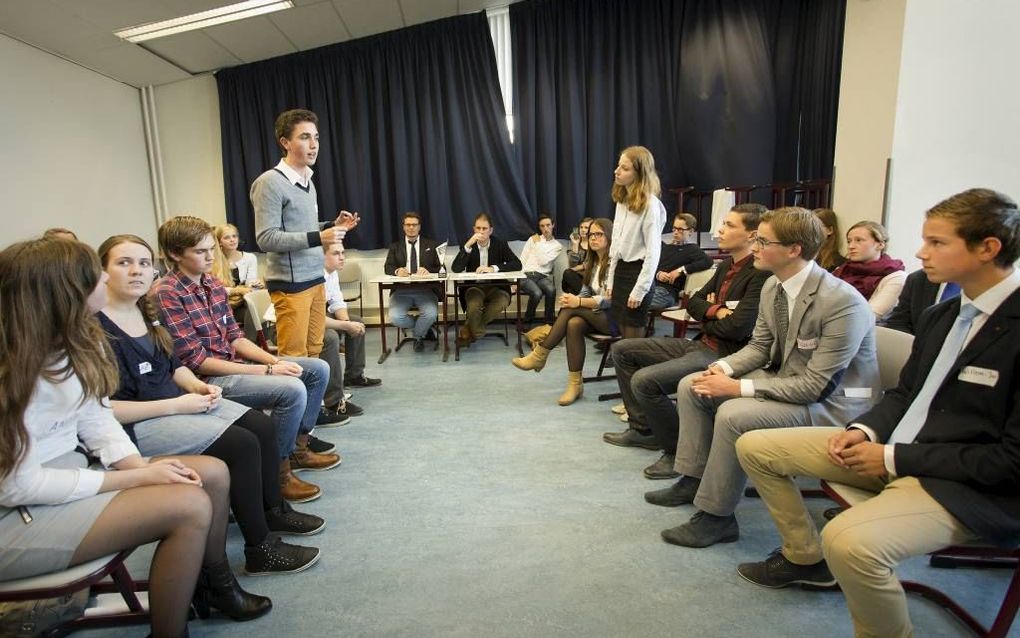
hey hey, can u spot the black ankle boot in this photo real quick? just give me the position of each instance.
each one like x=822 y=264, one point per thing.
x=218 y=589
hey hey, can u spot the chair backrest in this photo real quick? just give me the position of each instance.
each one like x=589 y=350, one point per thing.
x=893 y=349
x=696 y=281
x=257 y=302
x=350 y=273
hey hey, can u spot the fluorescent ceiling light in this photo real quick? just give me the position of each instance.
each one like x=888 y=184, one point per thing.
x=220 y=15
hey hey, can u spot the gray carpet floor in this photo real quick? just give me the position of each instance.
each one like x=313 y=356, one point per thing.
x=470 y=504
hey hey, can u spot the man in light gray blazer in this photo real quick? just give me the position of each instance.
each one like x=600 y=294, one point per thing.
x=810 y=361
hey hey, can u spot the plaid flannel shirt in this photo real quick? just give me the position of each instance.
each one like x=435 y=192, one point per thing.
x=198 y=318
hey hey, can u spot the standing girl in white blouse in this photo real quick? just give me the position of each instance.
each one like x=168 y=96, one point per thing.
x=637 y=239
x=56 y=368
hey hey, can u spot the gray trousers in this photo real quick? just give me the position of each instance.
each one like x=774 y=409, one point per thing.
x=709 y=429
x=648 y=371
x=353 y=360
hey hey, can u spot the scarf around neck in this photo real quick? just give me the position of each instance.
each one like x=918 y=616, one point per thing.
x=865 y=276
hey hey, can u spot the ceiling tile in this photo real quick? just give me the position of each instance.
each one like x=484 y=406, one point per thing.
x=114 y=15
x=418 y=11
x=194 y=51
x=311 y=26
x=471 y=6
x=368 y=18
x=133 y=65
x=252 y=39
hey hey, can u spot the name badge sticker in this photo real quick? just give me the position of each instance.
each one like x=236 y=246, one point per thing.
x=732 y=305
x=807 y=344
x=144 y=367
x=981 y=376
x=857 y=393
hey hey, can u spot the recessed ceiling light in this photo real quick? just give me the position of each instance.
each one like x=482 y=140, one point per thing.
x=220 y=15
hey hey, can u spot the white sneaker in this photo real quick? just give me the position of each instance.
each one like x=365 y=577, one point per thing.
x=619 y=409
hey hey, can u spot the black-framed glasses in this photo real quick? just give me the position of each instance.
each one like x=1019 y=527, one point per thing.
x=596 y=234
x=762 y=243
x=682 y=230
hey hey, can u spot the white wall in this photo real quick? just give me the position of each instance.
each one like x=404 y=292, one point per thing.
x=73 y=151
x=188 y=121
x=872 y=39
x=957 y=123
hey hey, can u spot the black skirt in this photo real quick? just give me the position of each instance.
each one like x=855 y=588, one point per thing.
x=623 y=283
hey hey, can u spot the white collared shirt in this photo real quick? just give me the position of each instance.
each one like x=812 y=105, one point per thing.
x=302 y=179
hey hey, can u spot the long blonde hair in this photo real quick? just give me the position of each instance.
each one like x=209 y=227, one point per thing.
x=635 y=196
x=593 y=258
x=145 y=304
x=45 y=318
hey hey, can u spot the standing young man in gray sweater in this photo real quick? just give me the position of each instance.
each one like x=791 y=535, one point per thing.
x=287 y=227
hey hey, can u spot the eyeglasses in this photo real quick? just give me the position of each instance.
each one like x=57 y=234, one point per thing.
x=762 y=243
x=682 y=230
x=596 y=234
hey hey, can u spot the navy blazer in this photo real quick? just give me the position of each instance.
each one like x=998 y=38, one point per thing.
x=428 y=258
x=917 y=295
x=733 y=332
x=967 y=455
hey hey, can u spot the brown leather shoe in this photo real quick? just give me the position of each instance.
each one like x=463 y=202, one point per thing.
x=302 y=458
x=294 y=489
x=465 y=337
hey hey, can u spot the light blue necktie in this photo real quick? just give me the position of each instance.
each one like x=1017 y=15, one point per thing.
x=951 y=290
x=913 y=420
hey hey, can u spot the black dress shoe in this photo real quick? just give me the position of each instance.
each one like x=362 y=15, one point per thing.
x=362 y=382
x=662 y=469
x=419 y=345
x=431 y=335
x=680 y=493
x=632 y=438
x=777 y=571
x=349 y=409
x=319 y=446
x=703 y=530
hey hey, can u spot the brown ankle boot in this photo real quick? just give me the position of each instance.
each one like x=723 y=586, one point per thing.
x=575 y=388
x=303 y=458
x=294 y=489
x=534 y=360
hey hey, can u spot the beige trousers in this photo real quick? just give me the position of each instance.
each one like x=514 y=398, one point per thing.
x=863 y=545
x=300 y=321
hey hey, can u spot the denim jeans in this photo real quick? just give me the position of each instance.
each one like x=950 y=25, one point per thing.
x=662 y=297
x=428 y=310
x=538 y=286
x=293 y=402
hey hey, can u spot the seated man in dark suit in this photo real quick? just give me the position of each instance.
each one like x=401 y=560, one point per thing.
x=482 y=253
x=939 y=451
x=648 y=370
x=414 y=255
x=678 y=259
x=810 y=360
x=918 y=293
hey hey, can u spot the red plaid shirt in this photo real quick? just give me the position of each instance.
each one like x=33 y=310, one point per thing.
x=198 y=317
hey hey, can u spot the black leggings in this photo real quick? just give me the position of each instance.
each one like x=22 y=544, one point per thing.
x=248 y=447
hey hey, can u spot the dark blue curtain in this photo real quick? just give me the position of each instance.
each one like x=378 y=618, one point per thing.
x=739 y=92
x=409 y=120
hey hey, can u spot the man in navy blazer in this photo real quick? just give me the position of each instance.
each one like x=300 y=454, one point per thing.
x=483 y=253
x=942 y=454
x=648 y=370
x=413 y=256
x=811 y=360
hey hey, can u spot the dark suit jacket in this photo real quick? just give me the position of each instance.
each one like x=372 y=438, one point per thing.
x=918 y=293
x=734 y=331
x=967 y=455
x=688 y=255
x=428 y=258
x=500 y=256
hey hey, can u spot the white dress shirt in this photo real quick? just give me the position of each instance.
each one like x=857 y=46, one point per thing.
x=334 y=296
x=56 y=419
x=638 y=236
x=540 y=254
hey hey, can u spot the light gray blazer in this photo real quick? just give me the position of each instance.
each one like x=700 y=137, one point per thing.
x=828 y=362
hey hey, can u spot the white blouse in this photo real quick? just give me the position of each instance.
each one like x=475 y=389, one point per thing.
x=56 y=419
x=247 y=268
x=638 y=236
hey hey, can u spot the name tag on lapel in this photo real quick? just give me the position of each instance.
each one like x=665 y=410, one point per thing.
x=144 y=367
x=732 y=305
x=857 y=393
x=981 y=376
x=807 y=344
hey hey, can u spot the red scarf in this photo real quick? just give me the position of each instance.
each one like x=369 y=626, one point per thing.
x=864 y=276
